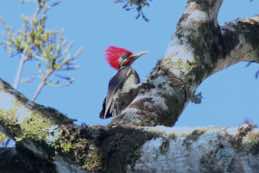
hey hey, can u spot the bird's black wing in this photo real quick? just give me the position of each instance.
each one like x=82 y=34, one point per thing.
x=115 y=83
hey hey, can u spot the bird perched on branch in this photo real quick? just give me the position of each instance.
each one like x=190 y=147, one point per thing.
x=125 y=78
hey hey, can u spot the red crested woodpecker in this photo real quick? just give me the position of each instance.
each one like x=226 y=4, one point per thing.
x=126 y=77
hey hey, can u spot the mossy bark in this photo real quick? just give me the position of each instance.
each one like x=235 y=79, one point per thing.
x=198 y=49
x=98 y=149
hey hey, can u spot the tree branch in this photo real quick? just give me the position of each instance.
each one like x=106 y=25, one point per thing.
x=36 y=128
x=45 y=136
x=241 y=38
x=52 y=137
x=18 y=76
x=200 y=150
x=198 y=49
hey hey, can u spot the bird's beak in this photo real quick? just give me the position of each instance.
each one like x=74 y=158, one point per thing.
x=139 y=54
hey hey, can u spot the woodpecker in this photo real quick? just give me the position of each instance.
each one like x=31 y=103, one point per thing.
x=126 y=77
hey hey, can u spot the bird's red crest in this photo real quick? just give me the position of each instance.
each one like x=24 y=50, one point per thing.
x=114 y=53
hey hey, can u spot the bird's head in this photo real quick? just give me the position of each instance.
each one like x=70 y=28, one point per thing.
x=119 y=57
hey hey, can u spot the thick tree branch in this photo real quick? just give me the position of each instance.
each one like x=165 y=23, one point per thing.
x=201 y=150
x=36 y=128
x=198 y=49
x=52 y=137
x=96 y=149
x=241 y=39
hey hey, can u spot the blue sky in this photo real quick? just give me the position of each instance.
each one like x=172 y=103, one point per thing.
x=230 y=97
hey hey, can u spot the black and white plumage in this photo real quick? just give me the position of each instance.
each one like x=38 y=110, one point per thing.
x=121 y=82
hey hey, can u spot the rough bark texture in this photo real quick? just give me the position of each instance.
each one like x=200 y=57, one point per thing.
x=17 y=160
x=198 y=49
x=120 y=149
x=48 y=141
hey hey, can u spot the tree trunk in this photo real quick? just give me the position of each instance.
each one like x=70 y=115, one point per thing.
x=198 y=49
x=48 y=140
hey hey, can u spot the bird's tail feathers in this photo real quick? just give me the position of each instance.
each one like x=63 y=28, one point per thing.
x=105 y=113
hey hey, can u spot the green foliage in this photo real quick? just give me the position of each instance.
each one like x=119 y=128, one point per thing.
x=29 y=40
x=47 y=49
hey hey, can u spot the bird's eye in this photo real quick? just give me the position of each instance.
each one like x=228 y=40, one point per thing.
x=123 y=59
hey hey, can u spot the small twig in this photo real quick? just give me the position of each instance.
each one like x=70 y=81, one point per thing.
x=17 y=80
x=42 y=84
